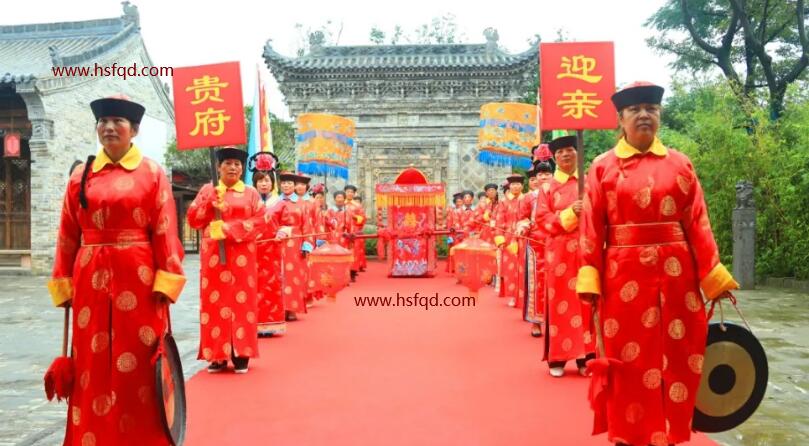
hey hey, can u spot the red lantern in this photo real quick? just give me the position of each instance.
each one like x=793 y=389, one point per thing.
x=11 y=145
x=329 y=268
x=475 y=263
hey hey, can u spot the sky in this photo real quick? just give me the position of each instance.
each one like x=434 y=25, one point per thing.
x=185 y=33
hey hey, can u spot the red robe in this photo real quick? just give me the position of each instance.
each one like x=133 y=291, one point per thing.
x=271 y=314
x=484 y=220
x=337 y=225
x=567 y=318
x=535 y=294
x=291 y=218
x=112 y=259
x=512 y=263
x=649 y=211
x=318 y=219
x=453 y=221
x=356 y=222
x=228 y=301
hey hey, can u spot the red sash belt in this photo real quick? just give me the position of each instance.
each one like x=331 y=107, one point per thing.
x=645 y=234
x=112 y=237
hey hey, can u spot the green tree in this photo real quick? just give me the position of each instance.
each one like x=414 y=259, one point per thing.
x=756 y=44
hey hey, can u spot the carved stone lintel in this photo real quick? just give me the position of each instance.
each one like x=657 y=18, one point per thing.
x=41 y=129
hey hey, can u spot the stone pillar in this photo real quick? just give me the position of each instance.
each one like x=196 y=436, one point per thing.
x=744 y=236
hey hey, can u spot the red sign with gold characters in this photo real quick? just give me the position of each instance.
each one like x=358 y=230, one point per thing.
x=577 y=79
x=11 y=145
x=208 y=108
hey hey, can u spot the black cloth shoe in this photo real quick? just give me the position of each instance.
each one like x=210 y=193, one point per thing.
x=240 y=364
x=217 y=366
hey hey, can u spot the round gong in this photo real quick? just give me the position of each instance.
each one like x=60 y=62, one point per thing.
x=734 y=379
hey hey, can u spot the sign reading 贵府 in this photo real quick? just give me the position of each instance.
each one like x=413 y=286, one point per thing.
x=208 y=106
x=577 y=79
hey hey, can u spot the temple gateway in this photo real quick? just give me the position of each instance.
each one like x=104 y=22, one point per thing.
x=413 y=105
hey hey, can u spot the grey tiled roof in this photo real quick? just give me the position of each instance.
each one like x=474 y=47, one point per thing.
x=386 y=57
x=25 y=50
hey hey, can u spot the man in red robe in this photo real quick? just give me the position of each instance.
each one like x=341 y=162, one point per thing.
x=356 y=222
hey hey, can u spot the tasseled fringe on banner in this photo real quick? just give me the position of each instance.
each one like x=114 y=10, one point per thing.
x=501 y=159
x=384 y=200
x=318 y=168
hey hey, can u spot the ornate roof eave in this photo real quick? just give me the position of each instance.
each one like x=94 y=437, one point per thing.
x=284 y=68
x=130 y=29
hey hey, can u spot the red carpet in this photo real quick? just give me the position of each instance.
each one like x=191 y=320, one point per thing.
x=350 y=375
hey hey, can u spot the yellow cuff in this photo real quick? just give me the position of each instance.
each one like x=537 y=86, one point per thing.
x=513 y=248
x=169 y=284
x=61 y=290
x=217 y=230
x=486 y=216
x=358 y=219
x=499 y=240
x=569 y=219
x=717 y=282
x=588 y=281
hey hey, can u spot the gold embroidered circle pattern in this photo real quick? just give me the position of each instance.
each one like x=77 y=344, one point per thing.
x=660 y=439
x=251 y=317
x=692 y=302
x=648 y=256
x=676 y=329
x=673 y=267
x=629 y=291
x=225 y=276
x=126 y=301
x=634 y=413
x=226 y=313
x=611 y=328
x=146 y=275
x=678 y=392
x=140 y=217
x=560 y=269
x=630 y=352
x=101 y=278
x=100 y=342
x=88 y=439
x=75 y=415
x=685 y=185
x=84 y=317
x=643 y=197
x=650 y=317
x=204 y=318
x=241 y=261
x=668 y=206
x=102 y=405
x=572 y=245
x=652 y=379
x=562 y=307
x=215 y=332
x=147 y=335
x=214 y=296
x=575 y=321
x=612 y=269
x=126 y=362
x=695 y=363
x=213 y=261
x=241 y=297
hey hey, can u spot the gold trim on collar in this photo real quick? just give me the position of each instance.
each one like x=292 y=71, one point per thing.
x=562 y=177
x=624 y=150
x=238 y=186
x=130 y=161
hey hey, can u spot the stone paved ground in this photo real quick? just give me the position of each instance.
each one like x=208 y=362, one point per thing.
x=30 y=331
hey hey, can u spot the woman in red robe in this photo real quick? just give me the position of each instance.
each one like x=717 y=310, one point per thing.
x=512 y=264
x=567 y=318
x=118 y=264
x=271 y=315
x=294 y=224
x=228 y=303
x=318 y=215
x=647 y=249
x=535 y=295
x=484 y=213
